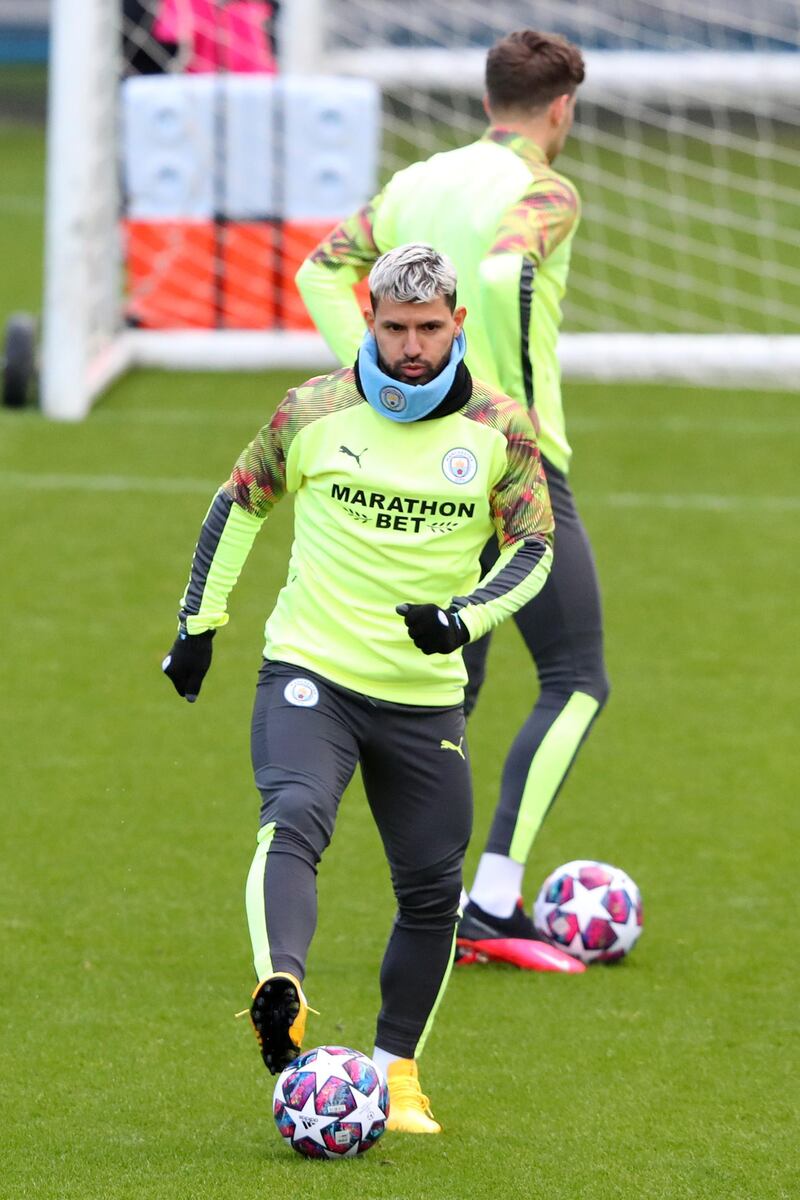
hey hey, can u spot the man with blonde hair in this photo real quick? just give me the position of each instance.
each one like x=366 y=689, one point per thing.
x=401 y=466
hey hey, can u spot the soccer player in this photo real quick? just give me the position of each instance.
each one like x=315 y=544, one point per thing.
x=401 y=466
x=507 y=220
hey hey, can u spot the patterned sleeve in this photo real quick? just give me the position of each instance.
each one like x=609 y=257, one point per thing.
x=539 y=221
x=350 y=244
x=520 y=500
x=258 y=479
x=237 y=513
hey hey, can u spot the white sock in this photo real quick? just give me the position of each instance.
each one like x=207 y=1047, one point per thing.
x=382 y=1058
x=498 y=884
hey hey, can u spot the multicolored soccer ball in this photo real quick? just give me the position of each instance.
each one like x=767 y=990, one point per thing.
x=331 y=1103
x=590 y=909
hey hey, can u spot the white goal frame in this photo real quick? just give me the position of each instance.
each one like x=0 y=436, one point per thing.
x=82 y=355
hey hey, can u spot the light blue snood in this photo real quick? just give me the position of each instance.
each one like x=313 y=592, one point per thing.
x=405 y=401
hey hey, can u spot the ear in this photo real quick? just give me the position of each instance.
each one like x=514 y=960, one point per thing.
x=486 y=108
x=558 y=108
x=458 y=318
x=369 y=317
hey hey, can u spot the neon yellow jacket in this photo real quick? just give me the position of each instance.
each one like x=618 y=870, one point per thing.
x=385 y=513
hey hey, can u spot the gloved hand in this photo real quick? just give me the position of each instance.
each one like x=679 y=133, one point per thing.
x=187 y=662
x=432 y=630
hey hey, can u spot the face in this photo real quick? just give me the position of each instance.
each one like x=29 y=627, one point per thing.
x=415 y=340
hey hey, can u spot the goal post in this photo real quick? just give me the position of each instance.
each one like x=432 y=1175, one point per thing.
x=82 y=350
x=684 y=149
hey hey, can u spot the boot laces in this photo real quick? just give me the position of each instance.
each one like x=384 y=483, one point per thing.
x=406 y=1093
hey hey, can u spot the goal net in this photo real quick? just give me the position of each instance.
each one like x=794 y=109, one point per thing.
x=199 y=148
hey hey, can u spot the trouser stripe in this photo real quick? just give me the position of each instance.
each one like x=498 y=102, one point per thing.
x=254 y=899
x=549 y=768
x=432 y=1015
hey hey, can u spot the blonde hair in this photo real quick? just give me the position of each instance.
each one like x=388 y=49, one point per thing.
x=413 y=274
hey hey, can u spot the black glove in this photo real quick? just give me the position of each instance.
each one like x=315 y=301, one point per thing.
x=432 y=630
x=187 y=662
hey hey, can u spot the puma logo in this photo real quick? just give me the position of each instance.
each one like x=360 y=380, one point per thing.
x=445 y=745
x=352 y=454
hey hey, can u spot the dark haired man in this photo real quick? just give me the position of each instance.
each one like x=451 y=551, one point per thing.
x=506 y=218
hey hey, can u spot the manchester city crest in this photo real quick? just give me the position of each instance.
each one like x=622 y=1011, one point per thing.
x=301 y=692
x=392 y=398
x=459 y=465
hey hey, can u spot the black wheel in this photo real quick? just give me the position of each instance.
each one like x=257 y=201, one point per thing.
x=19 y=360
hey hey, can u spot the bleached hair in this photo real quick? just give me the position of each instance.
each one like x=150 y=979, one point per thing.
x=413 y=274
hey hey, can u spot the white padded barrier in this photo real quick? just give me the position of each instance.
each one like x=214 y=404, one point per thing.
x=250 y=151
x=331 y=135
x=303 y=148
x=168 y=146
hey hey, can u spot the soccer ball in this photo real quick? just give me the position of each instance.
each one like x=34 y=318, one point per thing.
x=331 y=1103
x=590 y=909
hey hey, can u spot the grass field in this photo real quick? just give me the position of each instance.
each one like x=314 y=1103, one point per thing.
x=129 y=819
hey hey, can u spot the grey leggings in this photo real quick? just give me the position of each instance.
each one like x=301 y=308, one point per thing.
x=563 y=631
x=416 y=776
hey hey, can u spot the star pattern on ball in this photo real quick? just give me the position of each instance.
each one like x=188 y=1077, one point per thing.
x=366 y=1112
x=308 y=1123
x=330 y=1066
x=586 y=904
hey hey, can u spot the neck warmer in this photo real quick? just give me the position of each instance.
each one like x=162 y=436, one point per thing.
x=405 y=401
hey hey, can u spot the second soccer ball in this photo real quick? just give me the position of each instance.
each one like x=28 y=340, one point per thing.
x=590 y=909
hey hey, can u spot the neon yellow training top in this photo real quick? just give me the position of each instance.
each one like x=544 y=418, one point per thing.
x=385 y=513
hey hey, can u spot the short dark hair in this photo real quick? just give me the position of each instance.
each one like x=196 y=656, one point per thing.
x=528 y=70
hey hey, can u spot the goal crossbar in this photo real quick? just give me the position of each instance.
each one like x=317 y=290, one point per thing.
x=701 y=76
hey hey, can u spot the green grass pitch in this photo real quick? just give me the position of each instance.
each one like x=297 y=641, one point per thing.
x=129 y=819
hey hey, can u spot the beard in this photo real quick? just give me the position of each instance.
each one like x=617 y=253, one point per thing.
x=397 y=369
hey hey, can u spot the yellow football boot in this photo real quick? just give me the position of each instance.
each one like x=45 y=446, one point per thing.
x=278 y=1014
x=409 y=1110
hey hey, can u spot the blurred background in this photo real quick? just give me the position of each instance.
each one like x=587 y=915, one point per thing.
x=200 y=149
x=23 y=102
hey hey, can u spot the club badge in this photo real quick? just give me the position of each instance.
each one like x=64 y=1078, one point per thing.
x=301 y=692
x=459 y=465
x=392 y=398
